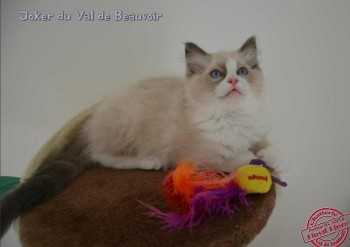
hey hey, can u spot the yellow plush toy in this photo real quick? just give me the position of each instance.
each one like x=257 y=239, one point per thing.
x=253 y=179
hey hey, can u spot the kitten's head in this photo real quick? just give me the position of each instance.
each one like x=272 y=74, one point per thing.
x=226 y=77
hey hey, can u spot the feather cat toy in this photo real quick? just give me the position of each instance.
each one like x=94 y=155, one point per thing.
x=195 y=193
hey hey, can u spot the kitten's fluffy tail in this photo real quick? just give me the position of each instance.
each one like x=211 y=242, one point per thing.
x=46 y=182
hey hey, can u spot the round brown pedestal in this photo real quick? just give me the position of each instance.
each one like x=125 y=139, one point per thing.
x=100 y=209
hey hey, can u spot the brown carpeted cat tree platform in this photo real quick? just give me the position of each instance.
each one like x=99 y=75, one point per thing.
x=100 y=208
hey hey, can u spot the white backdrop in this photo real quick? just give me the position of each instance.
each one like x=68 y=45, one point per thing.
x=51 y=70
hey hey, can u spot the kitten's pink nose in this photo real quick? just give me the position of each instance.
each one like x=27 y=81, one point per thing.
x=233 y=80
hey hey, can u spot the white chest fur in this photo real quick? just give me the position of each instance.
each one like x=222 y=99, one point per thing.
x=231 y=132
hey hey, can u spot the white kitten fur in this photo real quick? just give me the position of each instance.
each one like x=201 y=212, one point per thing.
x=159 y=121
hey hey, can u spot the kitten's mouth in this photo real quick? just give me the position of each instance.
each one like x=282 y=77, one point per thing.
x=233 y=91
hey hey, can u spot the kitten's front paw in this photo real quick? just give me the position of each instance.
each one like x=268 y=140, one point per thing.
x=151 y=164
x=244 y=159
x=269 y=156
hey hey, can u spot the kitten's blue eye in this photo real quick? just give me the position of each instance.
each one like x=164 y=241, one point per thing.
x=242 y=71
x=215 y=74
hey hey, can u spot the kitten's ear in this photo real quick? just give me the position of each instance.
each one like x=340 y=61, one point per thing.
x=197 y=59
x=249 y=53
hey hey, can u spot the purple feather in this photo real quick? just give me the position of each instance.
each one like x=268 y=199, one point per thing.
x=203 y=204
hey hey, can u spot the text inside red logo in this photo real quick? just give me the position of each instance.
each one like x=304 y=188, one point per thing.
x=255 y=177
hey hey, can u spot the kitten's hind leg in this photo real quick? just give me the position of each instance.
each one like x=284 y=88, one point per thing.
x=129 y=162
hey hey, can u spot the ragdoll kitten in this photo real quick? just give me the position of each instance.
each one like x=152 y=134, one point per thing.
x=213 y=117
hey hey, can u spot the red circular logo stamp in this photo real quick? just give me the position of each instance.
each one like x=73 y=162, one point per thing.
x=326 y=227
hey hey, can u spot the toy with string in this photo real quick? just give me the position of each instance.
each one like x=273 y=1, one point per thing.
x=196 y=193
